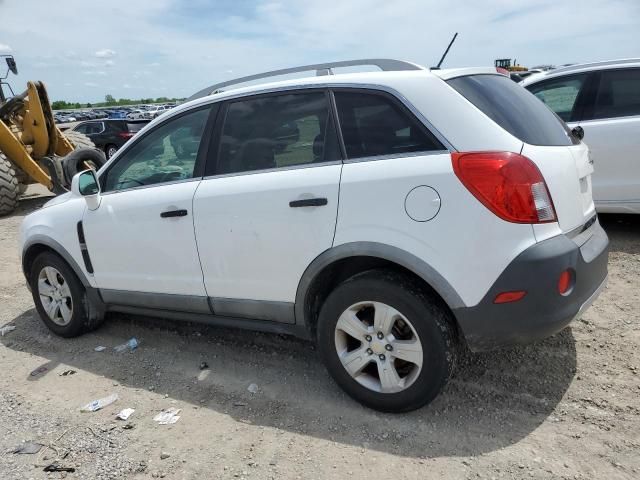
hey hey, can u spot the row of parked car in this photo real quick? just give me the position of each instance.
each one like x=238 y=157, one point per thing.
x=139 y=112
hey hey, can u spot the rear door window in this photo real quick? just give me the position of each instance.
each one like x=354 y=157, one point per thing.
x=276 y=131
x=373 y=124
x=561 y=94
x=513 y=108
x=618 y=94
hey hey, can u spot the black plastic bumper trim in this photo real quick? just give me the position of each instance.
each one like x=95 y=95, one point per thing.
x=543 y=311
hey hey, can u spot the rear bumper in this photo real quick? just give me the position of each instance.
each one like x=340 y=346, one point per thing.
x=543 y=311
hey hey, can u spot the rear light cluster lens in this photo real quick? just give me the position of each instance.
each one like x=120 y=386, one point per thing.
x=126 y=135
x=508 y=184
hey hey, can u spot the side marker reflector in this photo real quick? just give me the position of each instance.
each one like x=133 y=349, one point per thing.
x=509 y=297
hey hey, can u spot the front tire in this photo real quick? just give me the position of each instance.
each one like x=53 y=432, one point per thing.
x=386 y=342
x=59 y=296
x=9 y=186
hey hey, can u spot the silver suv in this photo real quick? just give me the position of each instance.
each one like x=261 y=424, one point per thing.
x=604 y=100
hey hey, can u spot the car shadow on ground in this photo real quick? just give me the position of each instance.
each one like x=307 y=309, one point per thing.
x=494 y=400
x=623 y=231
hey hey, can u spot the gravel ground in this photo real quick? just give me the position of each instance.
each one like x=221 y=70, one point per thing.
x=566 y=407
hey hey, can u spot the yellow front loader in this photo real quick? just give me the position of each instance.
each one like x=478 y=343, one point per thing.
x=32 y=147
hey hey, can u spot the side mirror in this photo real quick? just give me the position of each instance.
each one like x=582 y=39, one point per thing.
x=578 y=132
x=11 y=63
x=85 y=184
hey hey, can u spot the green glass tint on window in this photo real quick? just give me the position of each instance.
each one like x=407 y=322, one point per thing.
x=166 y=154
x=560 y=94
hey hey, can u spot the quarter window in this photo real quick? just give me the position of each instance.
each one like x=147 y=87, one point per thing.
x=618 y=94
x=373 y=125
x=167 y=153
x=277 y=131
x=560 y=94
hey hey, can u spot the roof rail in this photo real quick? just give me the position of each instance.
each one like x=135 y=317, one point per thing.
x=577 y=66
x=383 y=64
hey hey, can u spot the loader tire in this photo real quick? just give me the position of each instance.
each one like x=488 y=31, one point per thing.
x=76 y=162
x=80 y=159
x=9 y=188
x=79 y=140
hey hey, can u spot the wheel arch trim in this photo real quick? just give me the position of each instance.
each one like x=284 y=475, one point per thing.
x=56 y=247
x=377 y=250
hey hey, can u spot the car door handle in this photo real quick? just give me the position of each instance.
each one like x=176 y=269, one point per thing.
x=173 y=213
x=308 y=202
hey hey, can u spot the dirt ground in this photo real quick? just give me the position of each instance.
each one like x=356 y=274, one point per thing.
x=567 y=407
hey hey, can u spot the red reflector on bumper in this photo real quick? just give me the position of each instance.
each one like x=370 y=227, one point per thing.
x=565 y=282
x=508 y=297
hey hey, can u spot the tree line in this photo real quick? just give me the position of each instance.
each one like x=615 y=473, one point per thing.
x=110 y=101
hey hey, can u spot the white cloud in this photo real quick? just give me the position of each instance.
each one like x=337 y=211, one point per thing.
x=164 y=39
x=91 y=84
x=105 y=53
x=4 y=48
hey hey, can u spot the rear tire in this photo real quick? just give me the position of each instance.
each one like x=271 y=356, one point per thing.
x=110 y=151
x=399 y=370
x=9 y=186
x=60 y=298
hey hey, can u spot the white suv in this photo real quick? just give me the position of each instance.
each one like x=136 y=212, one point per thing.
x=391 y=217
x=604 y=100
x=156 y=111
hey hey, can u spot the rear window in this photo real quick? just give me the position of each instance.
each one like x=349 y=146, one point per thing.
x=514 y=109
x=136 y=126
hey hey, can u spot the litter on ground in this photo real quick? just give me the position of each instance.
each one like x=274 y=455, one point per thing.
x=6 y=329
x=130 y=345
x=168 y=416
x=125 y=414
x=100 y=403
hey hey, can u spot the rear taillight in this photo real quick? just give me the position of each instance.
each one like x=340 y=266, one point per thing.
x=126 y=135
x=508 y=184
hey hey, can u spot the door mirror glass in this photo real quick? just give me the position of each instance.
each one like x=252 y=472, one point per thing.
x=88 y=183
x=578 y=132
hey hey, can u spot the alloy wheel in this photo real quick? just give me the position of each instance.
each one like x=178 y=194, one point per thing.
x=379 y=347
x=55 y=296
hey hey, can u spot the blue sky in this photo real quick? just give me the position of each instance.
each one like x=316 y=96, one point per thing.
x=149 y=48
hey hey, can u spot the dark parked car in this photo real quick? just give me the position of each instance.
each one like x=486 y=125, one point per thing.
x=109 y=135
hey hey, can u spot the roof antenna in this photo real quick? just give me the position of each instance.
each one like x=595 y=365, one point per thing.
x=437 y=67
